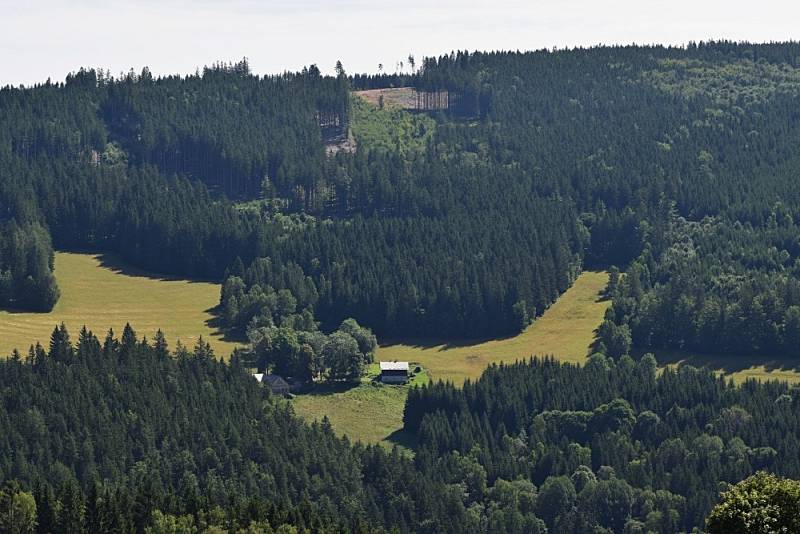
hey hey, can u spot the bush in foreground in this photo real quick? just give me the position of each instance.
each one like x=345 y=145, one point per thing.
x=762 y=503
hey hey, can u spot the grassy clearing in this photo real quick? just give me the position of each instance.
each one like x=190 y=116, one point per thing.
x=565 y=331
x=390 y=128
x=399 y=97
x=370 y=412
x=103 y=293
x=375 y=414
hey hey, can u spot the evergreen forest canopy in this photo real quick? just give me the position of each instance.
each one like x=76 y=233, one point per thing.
x=123 y=435
x=677 y=166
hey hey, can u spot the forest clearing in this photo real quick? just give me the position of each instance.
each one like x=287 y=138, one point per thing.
x=102 y=293
x=401 y=97
x=565 y=331
x=370 y=412
x=374 y=413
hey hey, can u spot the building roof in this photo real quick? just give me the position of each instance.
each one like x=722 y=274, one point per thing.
x=271 y=380
x=275 y=381
x=394 y=366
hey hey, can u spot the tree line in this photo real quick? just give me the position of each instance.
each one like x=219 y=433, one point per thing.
x=26 y=267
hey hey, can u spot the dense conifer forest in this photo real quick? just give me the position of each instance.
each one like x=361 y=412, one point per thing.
x=124 y=435
x=675 y=168
x=545 y=163
x=611 y=444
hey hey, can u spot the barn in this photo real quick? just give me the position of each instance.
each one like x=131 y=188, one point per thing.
x=394 y=372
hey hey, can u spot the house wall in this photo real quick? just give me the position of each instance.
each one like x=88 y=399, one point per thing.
x=394 y=378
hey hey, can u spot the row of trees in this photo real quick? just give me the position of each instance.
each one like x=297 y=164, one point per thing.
x=308 y=354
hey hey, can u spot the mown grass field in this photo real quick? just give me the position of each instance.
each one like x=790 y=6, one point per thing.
x=565 y=330
x=375 y=414
x=371 y=413
x=102 y=293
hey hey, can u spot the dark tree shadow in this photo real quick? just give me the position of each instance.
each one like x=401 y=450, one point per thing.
x=12 y=310
x=118 y=265
x=218 y=329
x=730 y=363
x=443 y=343
x=403 y=439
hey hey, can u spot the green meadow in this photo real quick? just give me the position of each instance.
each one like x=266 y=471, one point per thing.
x=101 y=292
x=565 y=331
x=369 y=411
x=374 y=414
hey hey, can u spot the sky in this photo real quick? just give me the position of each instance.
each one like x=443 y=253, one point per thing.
x=50 y=38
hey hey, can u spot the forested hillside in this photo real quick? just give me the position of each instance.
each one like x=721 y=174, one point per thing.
x=545 y=162
x=609 y=445
x=675 y=168
x=683 y=161
x=119 y=435
x=142 y=167
x=123 y=435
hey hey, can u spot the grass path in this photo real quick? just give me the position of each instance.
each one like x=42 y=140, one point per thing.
x=102 y=293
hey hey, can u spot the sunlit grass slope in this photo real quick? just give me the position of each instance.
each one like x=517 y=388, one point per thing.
x=565 y=330
x=371 y=413
x=737 y=367
x=103 y=293
x=374 y=414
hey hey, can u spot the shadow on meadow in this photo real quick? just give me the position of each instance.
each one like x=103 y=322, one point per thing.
x=728 y=364
x=118 y=265
x=218 y=329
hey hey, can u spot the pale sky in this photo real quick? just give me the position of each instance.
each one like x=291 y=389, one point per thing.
x=41 y=39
